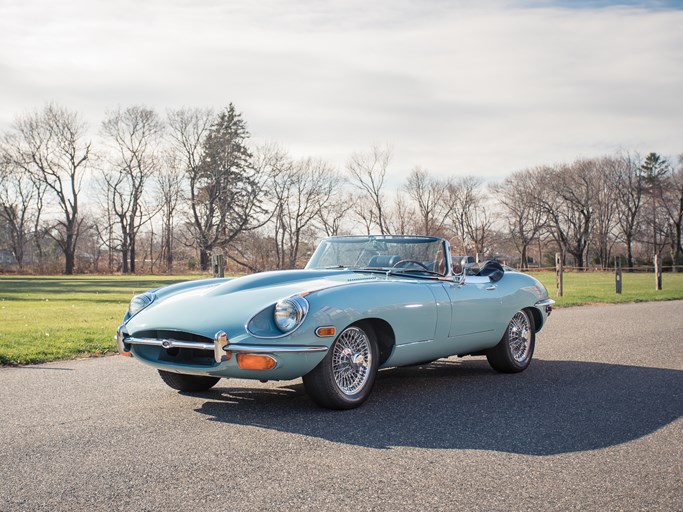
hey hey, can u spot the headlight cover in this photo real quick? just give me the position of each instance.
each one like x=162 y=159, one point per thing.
x=290 y=312
x=140 y=302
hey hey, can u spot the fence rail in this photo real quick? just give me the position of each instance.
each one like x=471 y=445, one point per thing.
x=640 y=268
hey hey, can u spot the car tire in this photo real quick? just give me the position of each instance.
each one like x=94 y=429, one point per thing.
x=515 y=350
x=184 y=382
x=345 y=377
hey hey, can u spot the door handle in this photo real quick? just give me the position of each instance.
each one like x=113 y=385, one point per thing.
x=491 y=288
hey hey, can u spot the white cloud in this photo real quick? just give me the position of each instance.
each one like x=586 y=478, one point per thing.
x=456 y=87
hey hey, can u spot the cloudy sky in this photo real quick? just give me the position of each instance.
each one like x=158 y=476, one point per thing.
x=456 y=87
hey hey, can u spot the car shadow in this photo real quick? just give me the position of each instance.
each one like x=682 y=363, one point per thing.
x=553 y=407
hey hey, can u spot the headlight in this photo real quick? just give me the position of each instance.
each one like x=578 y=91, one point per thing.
x=289 y=313
x=139 y=303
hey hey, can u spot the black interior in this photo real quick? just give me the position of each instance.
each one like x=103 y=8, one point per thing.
x=492 y=269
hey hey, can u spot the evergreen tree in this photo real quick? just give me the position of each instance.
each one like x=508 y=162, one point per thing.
x=654 y=171
x=225 y=191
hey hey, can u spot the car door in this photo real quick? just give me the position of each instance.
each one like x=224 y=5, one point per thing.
x=475 y=308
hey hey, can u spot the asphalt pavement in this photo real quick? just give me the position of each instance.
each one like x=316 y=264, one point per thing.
x=593 y=424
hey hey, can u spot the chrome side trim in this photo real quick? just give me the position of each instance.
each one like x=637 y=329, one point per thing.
x=274 y=349
x=544 y=302
x=414 y=343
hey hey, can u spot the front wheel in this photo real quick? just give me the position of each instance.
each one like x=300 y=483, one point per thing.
x=184 y=382
x=344 y=378
x=513 y=353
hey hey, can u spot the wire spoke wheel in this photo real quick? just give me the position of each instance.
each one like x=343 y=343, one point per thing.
x=514 y=352
x=351 y=360
x=519 y=337
x=345 y=377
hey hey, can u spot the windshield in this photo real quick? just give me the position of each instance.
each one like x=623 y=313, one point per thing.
x=397 y=253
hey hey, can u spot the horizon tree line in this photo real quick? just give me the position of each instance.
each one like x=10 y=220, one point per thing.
x=162 y=191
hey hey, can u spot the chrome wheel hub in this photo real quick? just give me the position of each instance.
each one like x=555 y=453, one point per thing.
x=351 y=360
x=519 y=336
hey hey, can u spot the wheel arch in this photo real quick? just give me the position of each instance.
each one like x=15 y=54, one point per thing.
x=386 y=339
x=536 y=316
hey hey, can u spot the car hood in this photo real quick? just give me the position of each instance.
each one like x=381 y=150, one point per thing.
x=205 y=307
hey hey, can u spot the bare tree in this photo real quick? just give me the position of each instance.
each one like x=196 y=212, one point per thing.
x=428 y=193
x=673 y=204
x=478 y=226
x=403 y=215
x=50 y=145
x=368 y=172
x=567 y=194
x=169 y=190
x=21 y=202
x=247 y=249
x=469 y=216
x=364 y=210
x=452 y=197
x=333 y=215
x=628 y=189
x=605 y=211
x=187 y=129
x=135 y=134
x=104 y=230
x=517 y=195
x=89 y=246
x=302 y=190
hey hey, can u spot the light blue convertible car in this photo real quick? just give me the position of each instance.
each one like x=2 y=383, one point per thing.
x=362 y=303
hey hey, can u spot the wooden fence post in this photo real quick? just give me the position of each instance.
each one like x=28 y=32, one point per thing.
x=658 y=271
x=218 y=265
x=559 y=274
x=617 y=273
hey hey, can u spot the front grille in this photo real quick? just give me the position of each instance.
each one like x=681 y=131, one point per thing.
x=173 y=335
x=177 y=355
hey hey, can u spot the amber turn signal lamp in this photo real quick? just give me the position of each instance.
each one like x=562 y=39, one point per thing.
x=255 y=362
x=322 y=332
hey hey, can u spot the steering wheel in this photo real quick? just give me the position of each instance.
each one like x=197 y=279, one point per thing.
x=403 y=263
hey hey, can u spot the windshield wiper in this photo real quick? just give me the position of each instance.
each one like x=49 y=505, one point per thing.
x=370 y=269
x=413 y=271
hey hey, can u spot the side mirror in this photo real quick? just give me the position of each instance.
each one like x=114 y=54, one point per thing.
x=461 y=279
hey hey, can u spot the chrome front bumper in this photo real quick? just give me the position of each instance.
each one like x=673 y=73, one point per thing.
x=545 y=305
x=221 y=347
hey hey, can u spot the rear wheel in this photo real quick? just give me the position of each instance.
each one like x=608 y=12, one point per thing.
x=513 y=353
x=344 y=378
x=183 y=382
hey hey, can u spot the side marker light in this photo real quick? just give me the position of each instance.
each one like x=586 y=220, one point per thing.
x=325 y=332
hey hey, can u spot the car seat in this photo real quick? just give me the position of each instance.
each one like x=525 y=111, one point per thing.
x=384 y=260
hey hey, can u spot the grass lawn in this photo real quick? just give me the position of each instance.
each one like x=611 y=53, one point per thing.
x=598 y=287
x=51 y=318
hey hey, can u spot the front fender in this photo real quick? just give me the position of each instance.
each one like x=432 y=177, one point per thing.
x=409 y=307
